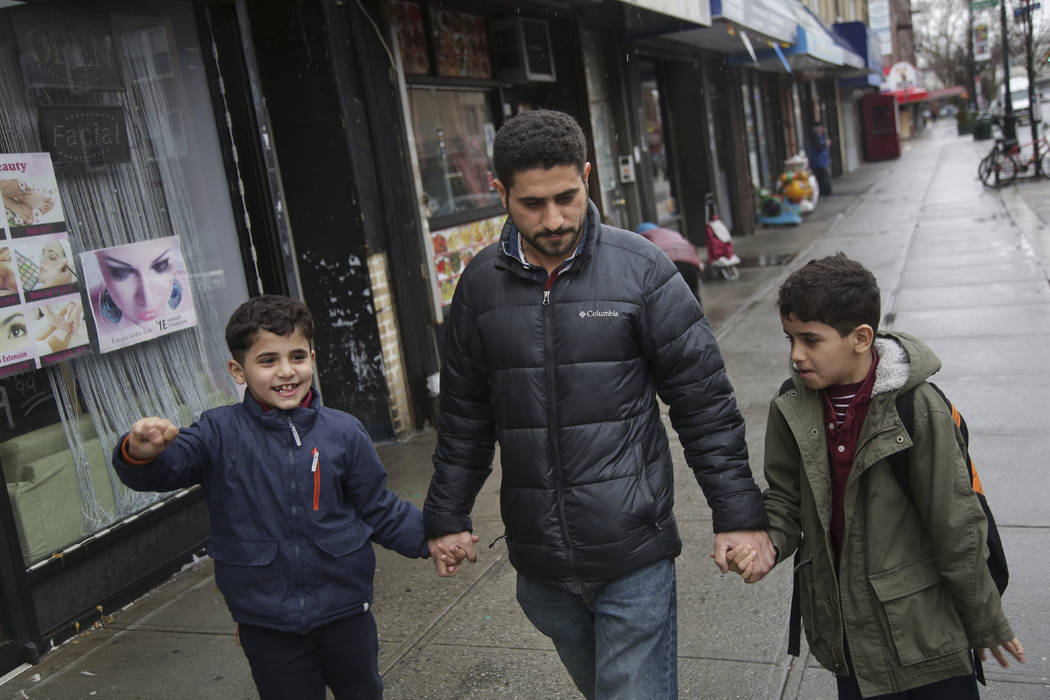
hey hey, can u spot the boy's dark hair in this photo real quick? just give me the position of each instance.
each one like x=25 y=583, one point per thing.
x=270 y=312
x=835 y=291
x=541 y=138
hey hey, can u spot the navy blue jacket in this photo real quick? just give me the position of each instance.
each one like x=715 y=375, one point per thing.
x=280 y=561
x=569 y=380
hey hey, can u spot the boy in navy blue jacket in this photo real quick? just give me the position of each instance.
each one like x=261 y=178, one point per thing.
x=295 y=492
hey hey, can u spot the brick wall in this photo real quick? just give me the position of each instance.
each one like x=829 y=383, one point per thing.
x=390 y=342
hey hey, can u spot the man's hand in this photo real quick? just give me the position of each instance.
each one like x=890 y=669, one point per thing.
x=449 y=551
x=765 y=555
x=1013 y=646
x=149 y=436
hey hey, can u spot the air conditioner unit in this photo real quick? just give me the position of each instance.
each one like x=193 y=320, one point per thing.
x=521 y=50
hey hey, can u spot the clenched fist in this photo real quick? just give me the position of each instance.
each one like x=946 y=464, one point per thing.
x=149 y=436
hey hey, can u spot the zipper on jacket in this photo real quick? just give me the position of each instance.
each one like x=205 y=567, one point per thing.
x=295 y=433
x=552 y=417
x=317 y=480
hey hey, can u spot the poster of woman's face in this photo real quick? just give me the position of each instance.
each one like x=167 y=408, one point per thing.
x=138 y=291
x=45 y=266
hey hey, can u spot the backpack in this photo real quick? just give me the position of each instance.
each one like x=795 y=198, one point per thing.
x=997 y=566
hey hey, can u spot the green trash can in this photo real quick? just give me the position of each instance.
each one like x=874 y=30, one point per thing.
x=982 y=127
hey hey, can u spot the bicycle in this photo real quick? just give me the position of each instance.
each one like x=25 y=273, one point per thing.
x=1039 y=157
x=1003 y=163
x=1000 y=166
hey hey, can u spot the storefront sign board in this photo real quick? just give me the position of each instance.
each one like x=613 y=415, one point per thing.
x=85 y=133
x=68 y=49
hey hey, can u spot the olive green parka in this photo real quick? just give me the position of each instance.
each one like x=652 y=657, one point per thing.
x=912 y=594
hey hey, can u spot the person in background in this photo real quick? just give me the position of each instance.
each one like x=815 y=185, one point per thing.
x=681 y=252
x=820 y=158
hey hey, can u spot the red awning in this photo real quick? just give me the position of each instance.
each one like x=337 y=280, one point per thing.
x=910 y=94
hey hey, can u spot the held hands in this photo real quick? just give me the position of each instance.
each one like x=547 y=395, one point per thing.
x=149 y=436
x=749 y=553
x=449 y=551
x=1013 y=646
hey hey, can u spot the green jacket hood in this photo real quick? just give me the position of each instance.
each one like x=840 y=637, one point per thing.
x=904 y=362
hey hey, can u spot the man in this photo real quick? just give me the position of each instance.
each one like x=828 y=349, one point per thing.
x=559 y=340
x=820 y=158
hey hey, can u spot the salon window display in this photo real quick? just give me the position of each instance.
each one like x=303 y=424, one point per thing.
x=138 y=291
x=30 y=195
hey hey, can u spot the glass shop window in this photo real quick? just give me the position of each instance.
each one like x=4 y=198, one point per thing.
x=119 y=253
x=454 y=132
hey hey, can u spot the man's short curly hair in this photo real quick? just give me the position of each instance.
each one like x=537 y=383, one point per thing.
x=835 y=291
x=278 y=314
x=541 y=138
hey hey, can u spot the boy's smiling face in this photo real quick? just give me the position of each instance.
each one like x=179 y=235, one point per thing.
x=278 y=369
x=823 y=357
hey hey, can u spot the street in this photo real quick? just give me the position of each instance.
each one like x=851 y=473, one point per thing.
x=963 y=267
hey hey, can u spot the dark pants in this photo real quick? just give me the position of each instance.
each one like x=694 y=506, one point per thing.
x=342 y=655
x=823 y=180
x=956 y=688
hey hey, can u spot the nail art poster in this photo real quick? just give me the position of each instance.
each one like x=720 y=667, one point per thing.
x=138 y=291
x=30 y=195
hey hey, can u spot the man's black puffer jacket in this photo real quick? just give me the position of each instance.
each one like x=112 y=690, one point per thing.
x=568 y=386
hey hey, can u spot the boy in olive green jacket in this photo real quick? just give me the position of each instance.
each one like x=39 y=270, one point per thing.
x=894 y=588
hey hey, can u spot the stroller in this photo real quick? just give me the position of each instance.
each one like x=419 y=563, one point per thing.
x=721 y=259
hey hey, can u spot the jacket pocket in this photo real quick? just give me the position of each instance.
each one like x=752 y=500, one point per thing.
x=919 y=612
x=246 y=574
x=345 y=540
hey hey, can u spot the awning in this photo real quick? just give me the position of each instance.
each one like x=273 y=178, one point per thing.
x=815 y=48
x=861 y=41
x=953 y=91
x=743 y=26
x=660 y=19
x=904 y=82
x=695 y=11
x=908 y=95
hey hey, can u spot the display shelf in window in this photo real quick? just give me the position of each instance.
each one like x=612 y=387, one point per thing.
x=455 y=247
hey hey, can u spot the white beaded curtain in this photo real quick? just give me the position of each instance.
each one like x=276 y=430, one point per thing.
x=178 y=375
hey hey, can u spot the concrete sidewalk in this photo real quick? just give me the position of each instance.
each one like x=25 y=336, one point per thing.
x=957 y=265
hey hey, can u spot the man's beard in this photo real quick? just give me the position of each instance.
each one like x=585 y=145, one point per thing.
x=560 y=248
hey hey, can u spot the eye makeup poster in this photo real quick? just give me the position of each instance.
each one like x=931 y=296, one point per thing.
x=138 y=291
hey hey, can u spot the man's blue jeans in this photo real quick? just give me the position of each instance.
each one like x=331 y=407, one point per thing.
x=624 y=643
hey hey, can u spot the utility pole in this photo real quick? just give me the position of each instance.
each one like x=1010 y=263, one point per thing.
x=1009 y=120
x=1033 y=101
x=971 y=62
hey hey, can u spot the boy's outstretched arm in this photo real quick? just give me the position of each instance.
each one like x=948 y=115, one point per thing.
x=148 y=437
x=1013 y=646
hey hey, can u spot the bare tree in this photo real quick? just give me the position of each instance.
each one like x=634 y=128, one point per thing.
x=940 y=40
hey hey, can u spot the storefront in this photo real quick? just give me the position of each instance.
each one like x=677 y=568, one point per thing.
x=174 y=172
x=121 y=260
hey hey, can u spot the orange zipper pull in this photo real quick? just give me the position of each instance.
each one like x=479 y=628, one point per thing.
x=317 y=480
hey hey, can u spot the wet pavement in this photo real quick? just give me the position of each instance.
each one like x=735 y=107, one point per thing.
x=963 y=267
